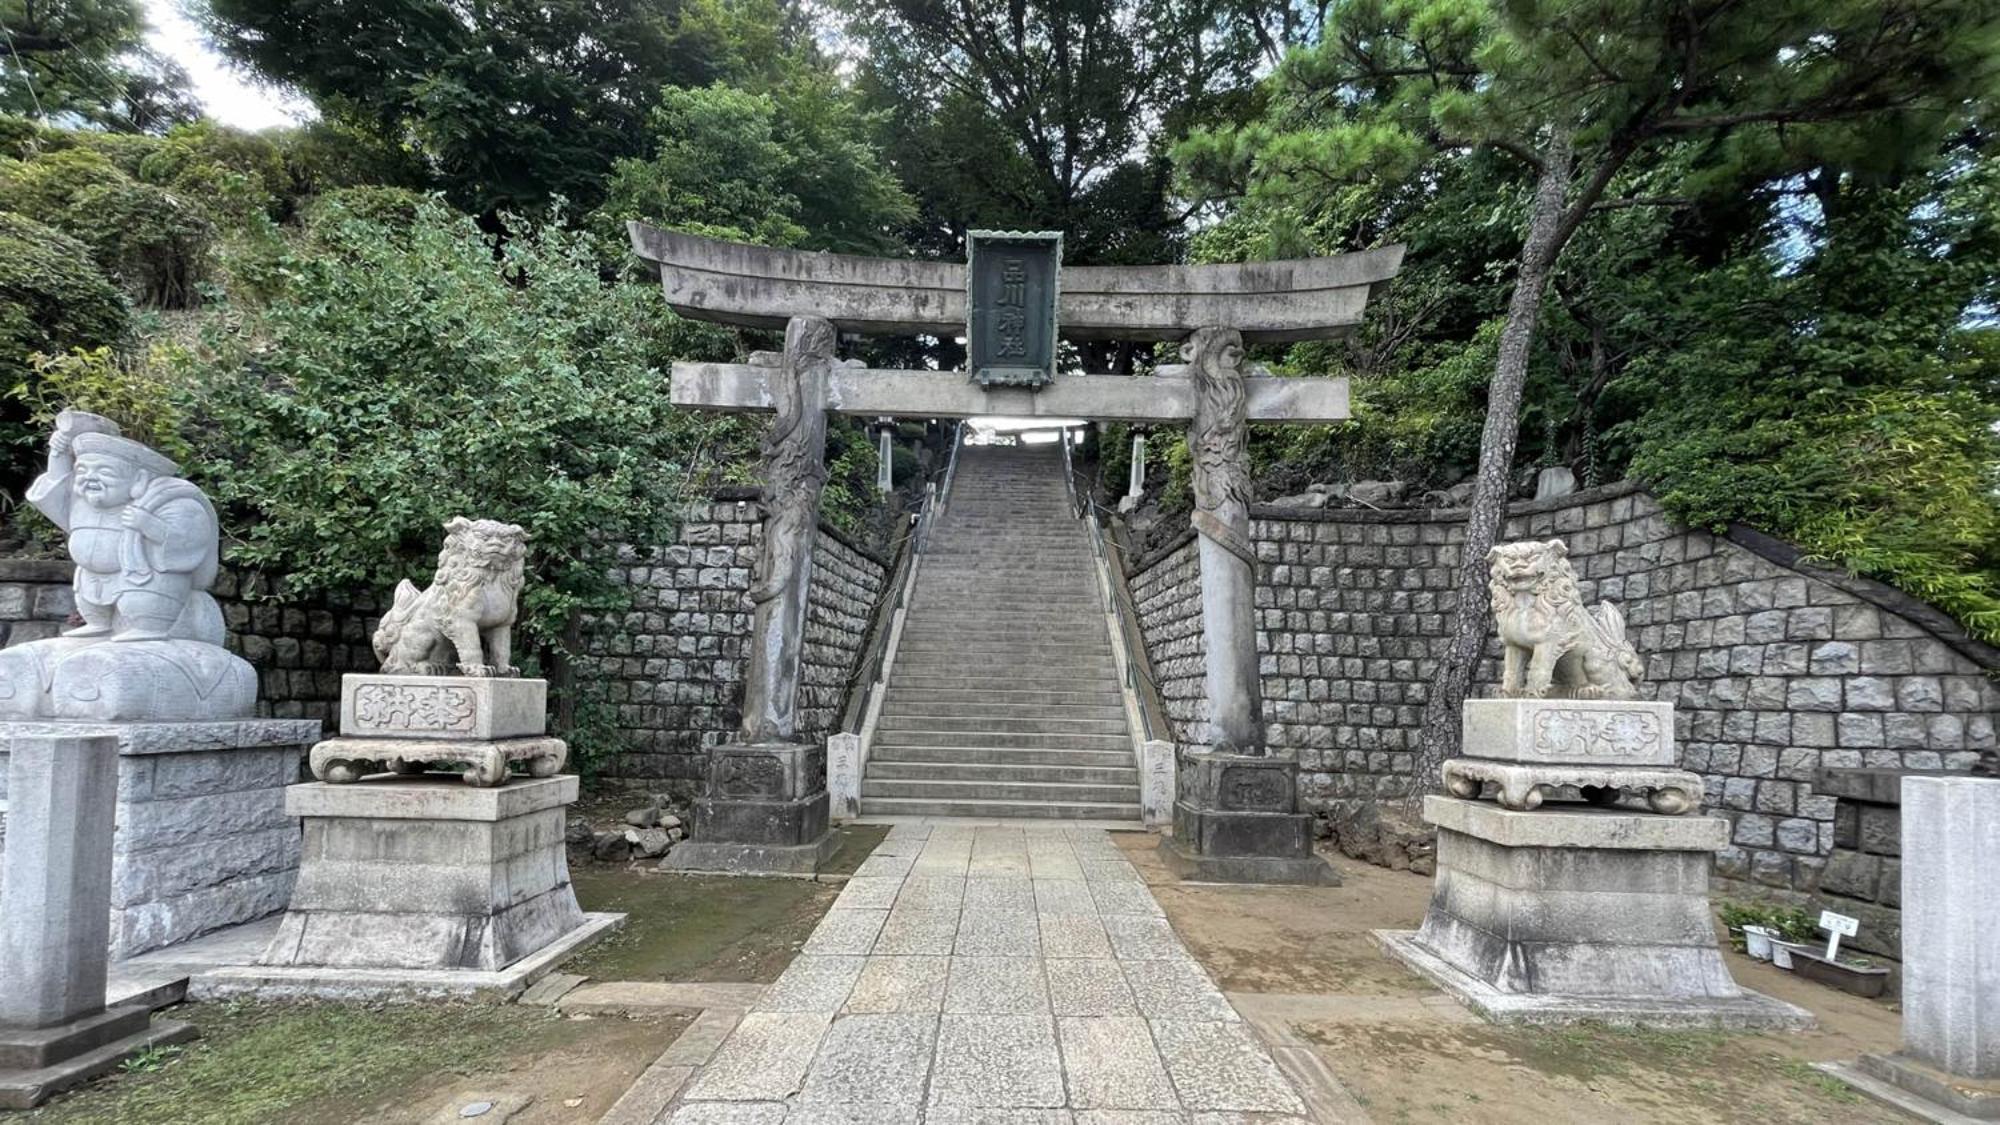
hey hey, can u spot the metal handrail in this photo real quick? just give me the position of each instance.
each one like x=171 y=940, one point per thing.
x=1119 y=604
x=871 y=673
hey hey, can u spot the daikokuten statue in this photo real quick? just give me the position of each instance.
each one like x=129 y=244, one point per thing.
x=146 y=547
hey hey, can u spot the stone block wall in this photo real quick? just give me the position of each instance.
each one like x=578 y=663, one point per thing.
x=1778 y=669
x=672 y=665
x=1864 y=873
x=1167 y=594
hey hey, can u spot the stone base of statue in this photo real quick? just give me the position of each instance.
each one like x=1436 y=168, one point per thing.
x=1531 y=749
x=1575 y=913
x=421 y=886
x=1236 y=821
x=99 y=680
x=407 y=725
x=203 y=838
x=763 y=812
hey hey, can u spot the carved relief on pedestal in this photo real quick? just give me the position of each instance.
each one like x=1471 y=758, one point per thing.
x=1597 y=734
x=415 y=708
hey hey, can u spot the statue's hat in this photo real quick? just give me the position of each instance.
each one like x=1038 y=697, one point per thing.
x=127 y=450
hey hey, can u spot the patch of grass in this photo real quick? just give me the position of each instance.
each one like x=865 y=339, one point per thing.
x=698 y=927
x=268 y=1064
x=1802 y=1072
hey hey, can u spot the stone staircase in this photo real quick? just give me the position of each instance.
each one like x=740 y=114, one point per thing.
x=1004 y=700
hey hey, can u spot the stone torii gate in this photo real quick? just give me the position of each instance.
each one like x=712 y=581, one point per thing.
x=1236 y=813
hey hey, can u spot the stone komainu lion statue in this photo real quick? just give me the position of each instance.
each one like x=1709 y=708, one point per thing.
x=468 y=609
x=1551 y=640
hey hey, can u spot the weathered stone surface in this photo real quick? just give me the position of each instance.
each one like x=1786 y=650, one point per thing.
x=1596 y=907
x=1549 y=641
x=145 y=544
x=203 y=840
x=55 y=881
x=468 y=708
x=428 y=875
x=1951 y=947
x=1579 y=731
x=341 y=761
x=1271 y=301
x=464 y=621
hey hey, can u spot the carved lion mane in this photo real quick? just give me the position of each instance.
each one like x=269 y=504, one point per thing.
x=1550 y=639
x=468 y=610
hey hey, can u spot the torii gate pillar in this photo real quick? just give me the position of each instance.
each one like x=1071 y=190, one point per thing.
x=1236 y=812
x=764 y=805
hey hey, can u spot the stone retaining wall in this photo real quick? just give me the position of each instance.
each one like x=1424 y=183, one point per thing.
x=673 y=663
x=1778 y=669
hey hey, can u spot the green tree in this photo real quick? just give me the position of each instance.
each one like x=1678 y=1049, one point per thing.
x=789 y=168
x=1050 y=113
x=86 y=61
x=511 y=102
x=1578 y=91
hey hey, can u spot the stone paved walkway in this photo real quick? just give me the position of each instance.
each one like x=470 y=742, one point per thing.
x=991 y=974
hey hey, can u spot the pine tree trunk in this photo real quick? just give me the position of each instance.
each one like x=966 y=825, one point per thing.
x=1497 y=441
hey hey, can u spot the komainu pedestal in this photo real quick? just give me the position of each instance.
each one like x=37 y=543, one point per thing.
x=1604 y=749
x=1574 y=912
x=409 y=724
x=1234 y=822
x=422 y=887
x=763 y=811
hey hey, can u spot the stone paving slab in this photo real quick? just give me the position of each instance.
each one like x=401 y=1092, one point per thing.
x=989 y=975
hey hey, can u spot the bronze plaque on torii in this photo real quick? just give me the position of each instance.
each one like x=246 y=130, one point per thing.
x=1012 y=279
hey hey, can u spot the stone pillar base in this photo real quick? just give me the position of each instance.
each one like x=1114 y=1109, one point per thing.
x=1579 y=913
x=37 y=1064
x=1234 y=822
x=764 y=812
x=1918 y=1088
x=417 y=873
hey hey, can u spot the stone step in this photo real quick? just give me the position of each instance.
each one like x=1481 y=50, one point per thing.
x=976 y=790
x=1125 y=775
x=1003 y=740
x=902 y=706
x=926 y=673
x=999 y=756
x=1003 y=646
x=1004 y=697
x=1050 y=810
x=1057 y=724
x=946 y=680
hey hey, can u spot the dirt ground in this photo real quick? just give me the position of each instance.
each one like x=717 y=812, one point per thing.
x=1299 y=962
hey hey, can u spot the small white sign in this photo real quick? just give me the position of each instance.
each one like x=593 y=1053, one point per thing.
x=1837 y=926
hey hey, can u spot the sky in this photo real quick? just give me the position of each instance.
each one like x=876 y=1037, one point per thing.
x=229 y=96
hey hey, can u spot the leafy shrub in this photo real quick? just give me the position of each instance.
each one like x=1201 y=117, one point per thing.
x=152 y=241
x=52 y=299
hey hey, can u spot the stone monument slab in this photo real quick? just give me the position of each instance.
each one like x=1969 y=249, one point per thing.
x=203 y=839
x=1950 y=1062
x=55 y=894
